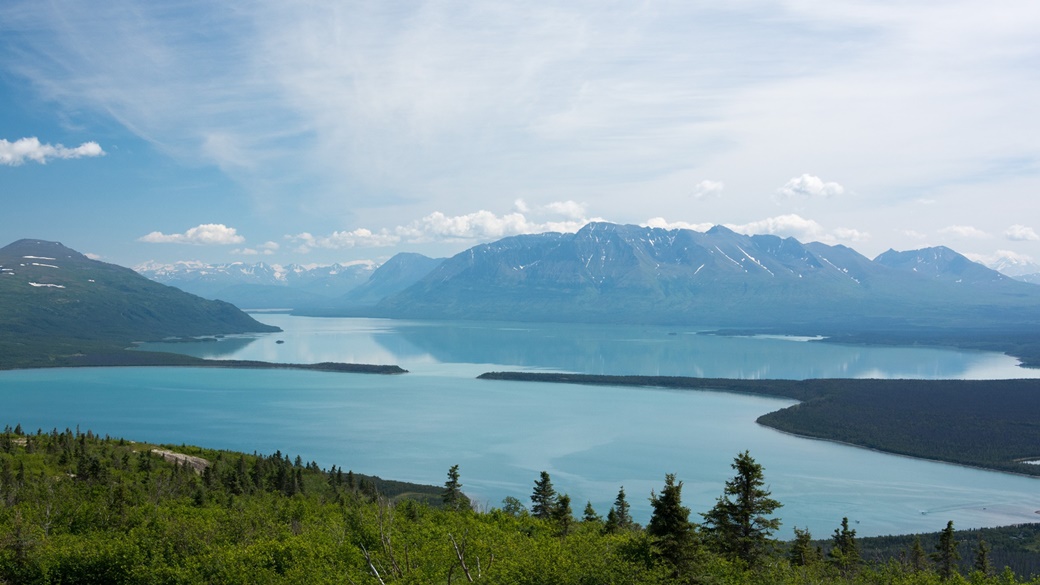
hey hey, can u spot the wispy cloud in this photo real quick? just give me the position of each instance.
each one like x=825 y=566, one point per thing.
x=31 y=149
x=479 y=226
x=963 y=231
x=354 y=107
x=265 y=249
x=789 y=225
x=205 y=234
x=1021 y=233
x=662 y=223
x=707 y=188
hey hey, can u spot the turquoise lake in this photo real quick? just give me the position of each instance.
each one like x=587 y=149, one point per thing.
x=502 y=434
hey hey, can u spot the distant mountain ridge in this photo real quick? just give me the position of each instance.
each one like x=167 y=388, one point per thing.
x=626 y=273
x=261 y=285
x=610 y=272
x=49 y=292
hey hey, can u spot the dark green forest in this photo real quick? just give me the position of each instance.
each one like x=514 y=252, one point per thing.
x=994 y=424
x=81 y=508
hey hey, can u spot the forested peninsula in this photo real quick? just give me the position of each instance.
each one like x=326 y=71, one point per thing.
x=76 y=507
x=993 y=424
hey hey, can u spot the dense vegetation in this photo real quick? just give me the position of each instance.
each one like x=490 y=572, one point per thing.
x=79 y=508
x=986 y=423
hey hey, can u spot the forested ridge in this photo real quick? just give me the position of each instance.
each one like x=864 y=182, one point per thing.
x=993 y=424
x=81 y=508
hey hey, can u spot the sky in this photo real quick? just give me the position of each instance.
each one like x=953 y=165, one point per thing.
x=316 y=132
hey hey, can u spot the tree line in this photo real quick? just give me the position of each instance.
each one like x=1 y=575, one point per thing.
x=80 y=508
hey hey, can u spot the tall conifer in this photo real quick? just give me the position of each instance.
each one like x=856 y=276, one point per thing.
x=738 y=526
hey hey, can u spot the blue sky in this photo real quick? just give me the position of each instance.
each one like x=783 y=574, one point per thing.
x=315 y=132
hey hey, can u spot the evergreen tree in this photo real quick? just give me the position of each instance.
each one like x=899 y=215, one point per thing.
x=982 y=563
x=738 y=526
x=803 y=553
x=590 y=515
x=946 y=555
x=670 y=528
x=543 y=499
x=918 y=558
x=845 y=552
x=453 y=497
x=562 y=515
x=619 y=517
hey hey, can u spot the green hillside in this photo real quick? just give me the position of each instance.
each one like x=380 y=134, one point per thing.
x=79 y=508
x=56 y=303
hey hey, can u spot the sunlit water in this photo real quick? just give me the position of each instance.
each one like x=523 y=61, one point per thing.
x=591 y=439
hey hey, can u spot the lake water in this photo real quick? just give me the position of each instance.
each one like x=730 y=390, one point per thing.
x=502 y=434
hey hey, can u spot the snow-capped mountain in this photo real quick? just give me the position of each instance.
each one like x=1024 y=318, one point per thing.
x=609 y=272
x=261 y=285
x=1014 y=265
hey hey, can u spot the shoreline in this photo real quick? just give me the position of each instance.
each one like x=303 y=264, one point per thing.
x=801 y=391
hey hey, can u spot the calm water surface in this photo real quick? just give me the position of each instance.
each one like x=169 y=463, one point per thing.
x=590 y=439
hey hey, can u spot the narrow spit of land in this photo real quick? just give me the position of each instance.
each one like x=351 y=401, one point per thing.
x=124 y=358
x=992 y=424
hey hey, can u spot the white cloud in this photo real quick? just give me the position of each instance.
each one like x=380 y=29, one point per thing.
x=851 y=235
x=92 y=256
x=266 y=249
x=567 y=209
x=808 y=187
x=708 y=188
x=914 y=234
x=1020 y=233
x=790 y=225
x=205 y=234
x=356 y=106
x=479 y=226
x=23 y=149
x=358 y=238
x=963 y=231
x=662 y=223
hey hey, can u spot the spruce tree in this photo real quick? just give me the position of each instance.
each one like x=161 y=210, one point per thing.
x=918 y=558
x=738 y=526
x=452 y=496
x=946 y=555
x=562 y=515
x=845 y=552
x=982 y=563
x=543 y=499
x=619 y=518
x=802 y=553
x=590 y=515
x=670 y=528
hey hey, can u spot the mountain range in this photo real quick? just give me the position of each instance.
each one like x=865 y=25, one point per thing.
x=619 y=272
x=261 y=285
x=626 y=273
x=602 y=273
